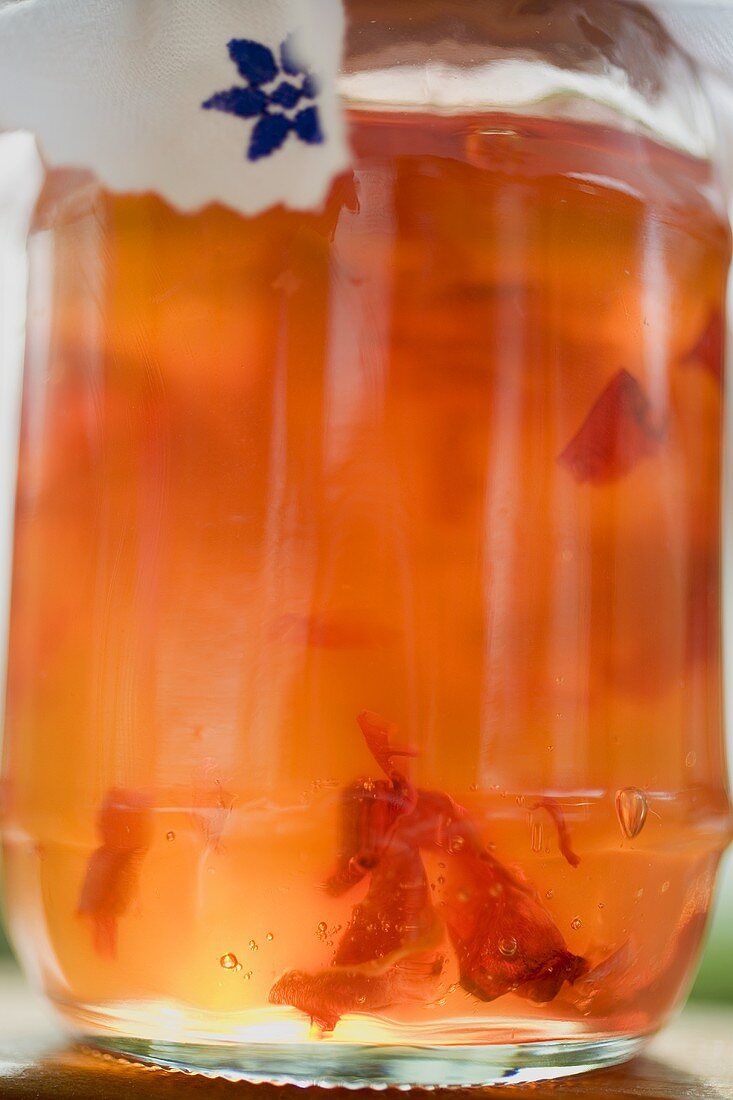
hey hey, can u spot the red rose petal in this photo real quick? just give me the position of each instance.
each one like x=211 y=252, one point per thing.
x=125 y=819
x=616 y=435
x=709 y=351
x=392 y=949
x=125 y=825
x=630 y=976
x=378 y=734
x=390 y=953
x=504 y=939
x=369 y=810
x=108 y=889
x=555 y=811
x=328 y=995
x=396 y=914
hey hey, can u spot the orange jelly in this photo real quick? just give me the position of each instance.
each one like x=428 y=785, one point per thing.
x=365 y=651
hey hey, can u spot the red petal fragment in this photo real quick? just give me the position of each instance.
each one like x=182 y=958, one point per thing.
x=125 y=825
x=327 y=995
x=709 y=351
x=390 y=953
x=630 y=977
x=616 y=435
x=435 y=820
x=396 y=914
x=108 y=888
x=379 y=734
x=391 y=950
x=619 y=965
x=345 y=191
x=369 y=811
x=563 y=833
x=504 y=939
x=125 y=819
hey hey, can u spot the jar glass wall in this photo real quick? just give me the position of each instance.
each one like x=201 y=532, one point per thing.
x=364 y=710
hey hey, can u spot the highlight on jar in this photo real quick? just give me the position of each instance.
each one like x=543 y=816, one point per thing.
x=364 y=712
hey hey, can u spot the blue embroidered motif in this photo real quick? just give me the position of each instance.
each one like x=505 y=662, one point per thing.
x=257 y=66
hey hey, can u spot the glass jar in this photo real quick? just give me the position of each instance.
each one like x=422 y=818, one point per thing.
x=364 y=716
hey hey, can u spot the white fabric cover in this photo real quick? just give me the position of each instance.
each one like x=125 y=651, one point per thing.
x=118 y=86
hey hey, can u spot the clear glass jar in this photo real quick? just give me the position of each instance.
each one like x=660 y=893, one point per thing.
x=364 y=715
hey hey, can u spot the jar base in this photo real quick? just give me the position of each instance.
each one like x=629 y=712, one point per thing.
x=353 y=1066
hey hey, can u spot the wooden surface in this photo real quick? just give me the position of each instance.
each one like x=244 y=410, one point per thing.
x=693 y=1059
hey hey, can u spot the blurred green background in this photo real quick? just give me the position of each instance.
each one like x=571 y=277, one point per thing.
x=715 y=979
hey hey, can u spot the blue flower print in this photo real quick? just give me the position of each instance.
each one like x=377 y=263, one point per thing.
x=273 y=94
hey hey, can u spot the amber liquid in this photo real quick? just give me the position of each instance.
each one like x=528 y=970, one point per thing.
x=277 y=471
